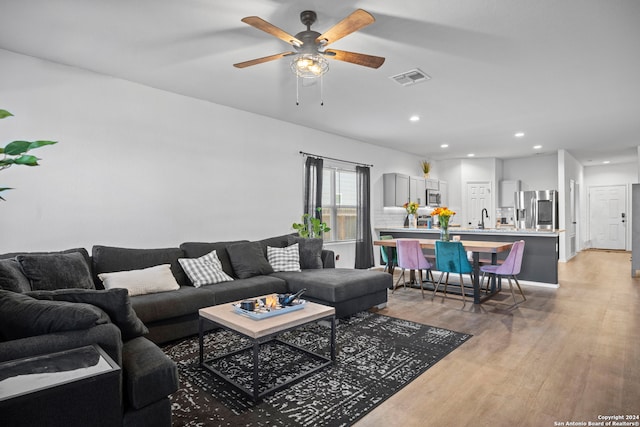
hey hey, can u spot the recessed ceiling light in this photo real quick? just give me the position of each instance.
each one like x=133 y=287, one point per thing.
x=470 y=155
x=414 y=118
x=537 y=147
x=518 y=134
x=606 y=162
x=444 y=145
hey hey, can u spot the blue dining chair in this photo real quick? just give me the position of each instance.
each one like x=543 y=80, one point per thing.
x=451 y=257
x=388 y=265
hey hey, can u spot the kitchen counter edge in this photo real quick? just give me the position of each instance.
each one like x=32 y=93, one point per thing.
x=456 y=230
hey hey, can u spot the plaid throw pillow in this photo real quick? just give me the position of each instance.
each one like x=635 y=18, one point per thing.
x=205 y=270
x=284 y=259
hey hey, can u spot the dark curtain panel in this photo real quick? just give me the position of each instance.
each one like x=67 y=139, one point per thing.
x=313 y=186
x=364 y=240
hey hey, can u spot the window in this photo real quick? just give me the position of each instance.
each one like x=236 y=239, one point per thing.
x=339 y=202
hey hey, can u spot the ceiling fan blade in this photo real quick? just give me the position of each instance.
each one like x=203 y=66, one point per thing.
x=355 y=58
x=357 y=20
x=265 y=26
x=261 y=60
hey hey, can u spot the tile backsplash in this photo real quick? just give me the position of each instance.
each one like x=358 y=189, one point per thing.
x=394 y=217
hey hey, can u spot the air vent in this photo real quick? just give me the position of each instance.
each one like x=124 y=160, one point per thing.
x=411 y=77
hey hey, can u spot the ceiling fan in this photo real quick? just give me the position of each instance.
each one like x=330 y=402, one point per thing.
x=309 y=56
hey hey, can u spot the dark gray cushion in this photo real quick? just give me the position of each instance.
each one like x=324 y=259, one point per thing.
x=149 y=374
x=81 y=251
x=310 y=252
x=114 y=302
x=11 y=276
x=248 y=260
x=168 y=305
x=198 y=249
x=276 y=242
x=246 y=288
x=56 y=271
x=107 y=259
x=336 y=284
x=22 y=316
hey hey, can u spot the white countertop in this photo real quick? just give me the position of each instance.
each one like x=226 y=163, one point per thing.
x=488 y=231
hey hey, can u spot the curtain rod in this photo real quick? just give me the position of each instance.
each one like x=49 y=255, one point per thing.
x=337 y=160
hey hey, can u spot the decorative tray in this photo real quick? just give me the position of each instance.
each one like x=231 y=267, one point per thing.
x=262 y=312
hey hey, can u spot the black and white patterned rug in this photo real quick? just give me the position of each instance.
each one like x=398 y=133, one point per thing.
x=376 y=356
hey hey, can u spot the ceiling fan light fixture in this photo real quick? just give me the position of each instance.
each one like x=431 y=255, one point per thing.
x=309 y=65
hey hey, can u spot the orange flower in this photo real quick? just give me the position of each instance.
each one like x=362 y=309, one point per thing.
x=443 y=211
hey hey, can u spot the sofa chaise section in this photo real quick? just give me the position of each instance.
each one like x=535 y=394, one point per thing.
x=348 y=291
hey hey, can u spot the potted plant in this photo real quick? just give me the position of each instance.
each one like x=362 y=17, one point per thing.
x=426 y=168
x=311 y=227
x=15 y=152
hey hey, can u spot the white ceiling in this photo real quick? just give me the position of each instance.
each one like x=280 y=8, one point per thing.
x=565 y=72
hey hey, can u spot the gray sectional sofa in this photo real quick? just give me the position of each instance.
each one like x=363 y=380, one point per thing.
x=129 y=327
x=174 y=314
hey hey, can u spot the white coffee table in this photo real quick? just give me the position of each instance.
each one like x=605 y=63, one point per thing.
x=262 y=331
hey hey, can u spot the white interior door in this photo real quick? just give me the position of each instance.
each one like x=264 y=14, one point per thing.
x=478 y=198
x=607 y=217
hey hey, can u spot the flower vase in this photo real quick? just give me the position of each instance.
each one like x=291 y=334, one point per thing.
x=444 y=229
x=413 y=220
x=444 y=234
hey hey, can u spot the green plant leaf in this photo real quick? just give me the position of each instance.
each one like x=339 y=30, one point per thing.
x=26 y=160
x=38 y=144
x=4 y=189
x=6 y=162
x=5 y=113
x=16 y=148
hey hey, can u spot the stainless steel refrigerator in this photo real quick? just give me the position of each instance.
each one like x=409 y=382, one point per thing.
x=537 y=210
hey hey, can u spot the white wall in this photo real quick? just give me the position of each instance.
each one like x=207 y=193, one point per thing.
x=570 y=169
x=458 y=173
x=535 y=173
x=140 y=167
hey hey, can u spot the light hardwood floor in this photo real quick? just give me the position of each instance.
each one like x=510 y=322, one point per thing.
x=567 y=354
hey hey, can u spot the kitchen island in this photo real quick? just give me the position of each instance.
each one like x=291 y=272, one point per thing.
x=540 y=262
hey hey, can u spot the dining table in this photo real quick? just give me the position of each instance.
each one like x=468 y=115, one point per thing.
x=477 y=247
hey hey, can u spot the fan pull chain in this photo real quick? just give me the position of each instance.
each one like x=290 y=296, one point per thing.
x=322 y=90
x=297 y=89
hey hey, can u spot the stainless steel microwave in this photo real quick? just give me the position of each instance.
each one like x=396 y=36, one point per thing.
x=433 y=198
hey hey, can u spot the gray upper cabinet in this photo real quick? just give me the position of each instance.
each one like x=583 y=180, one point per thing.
x=444 y=193
x=417 y=189
x=432 y=184
x=396 y=189
x=400 y=189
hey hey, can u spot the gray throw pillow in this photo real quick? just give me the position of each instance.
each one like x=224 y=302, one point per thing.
x=22 y=316
x=248 y=260
x=11 y=277
x=310 y=252
x=56 y=271
x=115 y=302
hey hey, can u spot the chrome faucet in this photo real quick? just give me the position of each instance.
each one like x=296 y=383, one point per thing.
x=483 y=214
